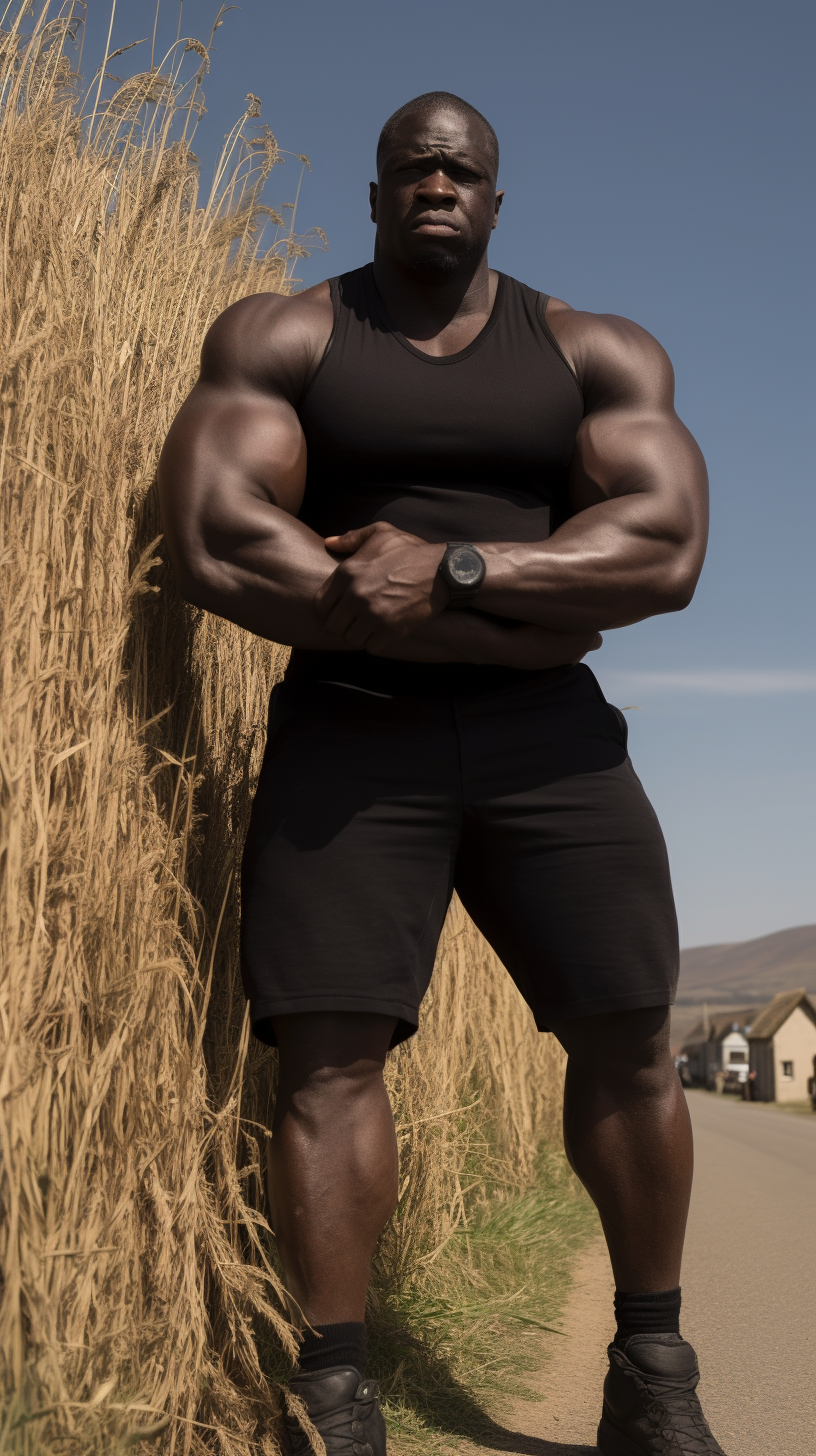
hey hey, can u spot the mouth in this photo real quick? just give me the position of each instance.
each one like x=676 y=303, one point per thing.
x=435 y=227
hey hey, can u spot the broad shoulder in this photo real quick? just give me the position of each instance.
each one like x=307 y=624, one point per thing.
x=268 y=341
x=616 y=360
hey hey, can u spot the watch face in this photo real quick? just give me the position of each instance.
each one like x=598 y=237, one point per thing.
x=466 y=566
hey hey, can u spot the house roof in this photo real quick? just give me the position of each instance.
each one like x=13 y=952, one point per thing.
x=720 y=1024
x=776 y=1013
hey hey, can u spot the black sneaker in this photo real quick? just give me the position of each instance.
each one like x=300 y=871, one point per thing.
x=650 y=1403
x=343 y=1408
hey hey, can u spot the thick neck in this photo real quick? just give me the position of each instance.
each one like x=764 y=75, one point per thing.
x=437 y=310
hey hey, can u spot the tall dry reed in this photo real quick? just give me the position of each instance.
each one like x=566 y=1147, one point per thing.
x=138 y=1269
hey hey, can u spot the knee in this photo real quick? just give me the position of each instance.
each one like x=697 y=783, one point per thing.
x=627 y=1051
x=320 y=1094
x=331 y=1062
x=645 y=1074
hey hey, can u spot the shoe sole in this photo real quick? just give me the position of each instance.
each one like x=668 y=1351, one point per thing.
x=613 y=1443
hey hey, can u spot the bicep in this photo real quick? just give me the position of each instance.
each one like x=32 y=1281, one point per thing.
x=229 y=452
x=647 y=454
x=631 y=442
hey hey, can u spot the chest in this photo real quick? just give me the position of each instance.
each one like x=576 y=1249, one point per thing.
x=378 y=406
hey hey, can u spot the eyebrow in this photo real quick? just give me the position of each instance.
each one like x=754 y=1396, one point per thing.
x=447 y=154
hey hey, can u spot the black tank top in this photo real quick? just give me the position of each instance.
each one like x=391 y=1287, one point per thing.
x=473 y=446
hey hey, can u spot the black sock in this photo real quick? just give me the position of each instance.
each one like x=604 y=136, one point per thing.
x=338 y=1345
x=647 y=1314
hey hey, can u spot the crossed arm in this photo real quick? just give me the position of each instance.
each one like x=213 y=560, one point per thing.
x=232 y=476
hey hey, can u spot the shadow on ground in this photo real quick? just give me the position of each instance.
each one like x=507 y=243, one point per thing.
x=500 y=1439
x=414 y=1377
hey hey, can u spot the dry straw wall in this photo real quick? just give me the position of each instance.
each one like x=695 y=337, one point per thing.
x=139 y=1278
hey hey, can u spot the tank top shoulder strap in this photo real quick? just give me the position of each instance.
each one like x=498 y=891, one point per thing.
x=352 y=292
x=347 y=294
x=541 y=301
x=349 y=297
x=334 y=290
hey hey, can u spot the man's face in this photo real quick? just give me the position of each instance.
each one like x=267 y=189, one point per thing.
x=436 y=203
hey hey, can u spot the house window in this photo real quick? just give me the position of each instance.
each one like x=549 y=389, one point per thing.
x=787 y=1070
x=737 y=1057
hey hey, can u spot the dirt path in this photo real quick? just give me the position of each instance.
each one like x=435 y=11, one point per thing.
x=563 y=1419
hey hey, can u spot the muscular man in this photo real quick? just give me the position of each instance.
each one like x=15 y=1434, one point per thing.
x=438 y=486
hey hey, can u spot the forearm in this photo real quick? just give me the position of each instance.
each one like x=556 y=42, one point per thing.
x=476 y=638
x=263 y=573
x=609 y=566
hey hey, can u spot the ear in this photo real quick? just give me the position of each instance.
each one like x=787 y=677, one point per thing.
x=499 y=201
x=372 y=197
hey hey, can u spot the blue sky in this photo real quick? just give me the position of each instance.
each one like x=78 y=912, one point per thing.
x=657 y=160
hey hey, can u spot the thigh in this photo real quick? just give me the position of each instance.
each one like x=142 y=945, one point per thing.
x=347 y=868
x=566 y=872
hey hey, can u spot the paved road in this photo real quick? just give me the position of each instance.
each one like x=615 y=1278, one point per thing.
x=749 y=1299
x=749 y=1275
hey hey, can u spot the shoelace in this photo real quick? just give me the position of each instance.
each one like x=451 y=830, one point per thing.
x=675 y=1409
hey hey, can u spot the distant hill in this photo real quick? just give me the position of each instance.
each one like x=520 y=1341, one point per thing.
x=749 y=972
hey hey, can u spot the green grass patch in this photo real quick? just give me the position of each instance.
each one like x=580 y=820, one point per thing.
x=463 y=1337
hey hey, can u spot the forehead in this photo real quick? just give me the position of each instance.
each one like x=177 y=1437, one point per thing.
x=450 y=131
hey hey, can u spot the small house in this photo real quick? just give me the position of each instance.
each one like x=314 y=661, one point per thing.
x=782 y=1048
x=719 y=1043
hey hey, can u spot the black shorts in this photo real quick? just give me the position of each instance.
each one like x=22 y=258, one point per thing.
x=371 y=810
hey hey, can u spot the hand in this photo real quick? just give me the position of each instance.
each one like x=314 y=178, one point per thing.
x=388 y=585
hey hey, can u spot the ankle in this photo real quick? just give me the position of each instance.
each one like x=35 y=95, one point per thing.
x=325 y=1346
x=646 y=1314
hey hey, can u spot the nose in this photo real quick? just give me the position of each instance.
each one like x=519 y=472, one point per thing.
x=437 y=188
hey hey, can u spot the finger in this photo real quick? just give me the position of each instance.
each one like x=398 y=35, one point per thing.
x=327 y=595
x=379 y=643
x=350 y=618
x=358 y=634
x=333 y=590
x=586 y=646
x=349 y=541
x=340 y=618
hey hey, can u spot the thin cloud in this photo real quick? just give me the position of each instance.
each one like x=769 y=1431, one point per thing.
x=728 y=680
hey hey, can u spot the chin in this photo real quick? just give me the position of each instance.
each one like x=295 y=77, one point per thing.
x=436 y=264
x=441 y=262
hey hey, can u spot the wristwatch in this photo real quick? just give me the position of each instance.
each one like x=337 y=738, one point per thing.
x=462 y=568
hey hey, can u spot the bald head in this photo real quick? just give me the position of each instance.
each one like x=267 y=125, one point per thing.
x=435 y=201
x=430 y=104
